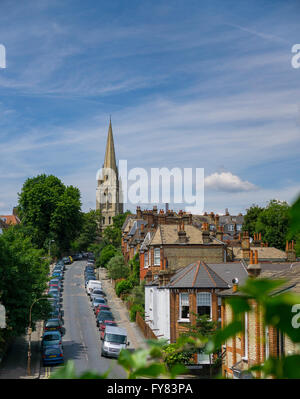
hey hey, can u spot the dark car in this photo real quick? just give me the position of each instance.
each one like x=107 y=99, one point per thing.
x=53 y=325
x=55 y=314
x=105 y=323
x=52 y=355
x=89 y=273
x=54 y=294
x=104 y=315
x=54 y=286
x=51 y=338
x=101 y=306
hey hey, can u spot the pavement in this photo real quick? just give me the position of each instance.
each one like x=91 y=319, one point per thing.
x=135 y=336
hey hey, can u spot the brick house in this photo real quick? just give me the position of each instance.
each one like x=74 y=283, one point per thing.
x=10 y=220
x=174 y=246
x=174 y=297
x=258 y=341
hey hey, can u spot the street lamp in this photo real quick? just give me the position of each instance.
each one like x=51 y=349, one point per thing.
x=29 y=337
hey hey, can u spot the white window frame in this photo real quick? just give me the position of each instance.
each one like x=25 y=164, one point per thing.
x=231 y=227
x=181 y=304
x=245 y=357
x=204 y=294
x=146 y=260
x=156 y=258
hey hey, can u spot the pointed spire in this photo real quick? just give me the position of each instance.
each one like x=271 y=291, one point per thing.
x=110 y=156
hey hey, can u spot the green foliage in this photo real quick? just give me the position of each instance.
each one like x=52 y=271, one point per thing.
x=89 y=231
x=250 y=219
x=119 y=220
x=108 y=252
x=294 y=230
x=123 y=287
x=273 y=223
x=23 y=279
x=136 y=308
x=50 y=210
x=175 y=355
x=116 y=268
x=113 y=236
x=67 y=371
x=134 y=265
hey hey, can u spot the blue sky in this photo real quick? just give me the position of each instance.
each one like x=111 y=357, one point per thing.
x=206 y=84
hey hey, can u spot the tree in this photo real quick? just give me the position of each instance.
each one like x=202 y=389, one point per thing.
x=108 y=252
x=50 y=210
x=250 y=219
x=23 y=279
x=273 y=223
x=89 y=231
x=119 y=220
x=113 y=235
x=116 y=268
x=294 y=230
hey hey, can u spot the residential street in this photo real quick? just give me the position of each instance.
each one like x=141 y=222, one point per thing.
x=81 y=339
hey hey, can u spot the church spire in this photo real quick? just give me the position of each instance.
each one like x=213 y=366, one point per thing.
x=110 y=156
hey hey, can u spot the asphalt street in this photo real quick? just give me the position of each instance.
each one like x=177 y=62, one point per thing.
x=81 y=339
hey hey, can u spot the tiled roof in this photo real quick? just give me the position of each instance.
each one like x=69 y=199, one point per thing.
x=168 y=234
x=230 y=270
x=264 y=253
x=10 y=219
x=196 y=275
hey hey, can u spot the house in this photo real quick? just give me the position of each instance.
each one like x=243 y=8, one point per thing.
x=3 y=226
x=10 y=220
x=257 y=342
x=174 y=297
x=174 y=246
x=136 y=227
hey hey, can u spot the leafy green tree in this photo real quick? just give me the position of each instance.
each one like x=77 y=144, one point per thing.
x=89 y=232
x=134 y=265
x=294 y=230
x=108 y=252
x=123 y=287
x=119 y=220
x=250 y=219
x=116 y=268
x=23 y=279
x=273 y=223
x=50 y=210
x=113 y=235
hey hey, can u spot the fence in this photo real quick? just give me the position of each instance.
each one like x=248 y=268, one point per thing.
x=146 y=330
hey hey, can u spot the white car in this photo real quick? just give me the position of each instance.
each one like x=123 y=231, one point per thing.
x=93 y=284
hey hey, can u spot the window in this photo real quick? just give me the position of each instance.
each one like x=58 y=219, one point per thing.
x=204 y=303
x=211 y=227
x=219 y=308
x=103 y=220
x=109 y=219
x=156 y=256
x=146 y=259
x=230 y=227
x=246 y=336
x=184 y=306
x=239 y=227
x=267 y=346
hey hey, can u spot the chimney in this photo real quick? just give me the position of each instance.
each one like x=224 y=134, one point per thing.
x=142 y=230
x=167 y=207
x=182 y=234
x=154 y=208
x=235 y=285
x=290 y=252
x=226 y=212
x=245 y=246
x=205 y=233
x=165 y=276
x=138 y=212
x=254 y=269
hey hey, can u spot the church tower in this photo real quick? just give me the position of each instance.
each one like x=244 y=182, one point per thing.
x=109 y=192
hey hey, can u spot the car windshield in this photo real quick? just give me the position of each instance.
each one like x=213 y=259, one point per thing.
x=52 y=351
x=52 y=323
x=115 y=338
x=99 y=300
x=104 y=315
x=51 y=337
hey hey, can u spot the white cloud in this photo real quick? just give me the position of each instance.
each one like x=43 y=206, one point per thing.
x=228 y=182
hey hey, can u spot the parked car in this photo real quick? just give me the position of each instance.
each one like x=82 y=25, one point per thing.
x=54 y=294
x=67 y=260
x=101 y=306
x=58 y=275
x=54 y=291
x=56 y=314
x=104 y=315
x=52 y=355
x=50 y=338
x=93 y=284
x=54 y=302
x=96 y=292
x=97 y=301
x=53 y=325
x=115 y=339
x=53 y=286
x=88 y=279
x=103 y=326
x=55 y=282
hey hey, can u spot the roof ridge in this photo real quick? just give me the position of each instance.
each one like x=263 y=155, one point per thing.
x=180 y=277
x=196 y=274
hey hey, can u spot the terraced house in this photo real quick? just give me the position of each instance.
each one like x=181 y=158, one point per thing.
x=258 y=341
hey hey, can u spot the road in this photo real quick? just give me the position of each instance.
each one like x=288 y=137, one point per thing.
x=81 y=339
